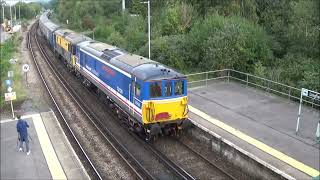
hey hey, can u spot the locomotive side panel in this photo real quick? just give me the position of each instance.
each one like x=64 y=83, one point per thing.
x=62 y=47
x=112 y=82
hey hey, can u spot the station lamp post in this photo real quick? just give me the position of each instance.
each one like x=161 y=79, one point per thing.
x=123 y=5
x=3 y=12
x=149 y=29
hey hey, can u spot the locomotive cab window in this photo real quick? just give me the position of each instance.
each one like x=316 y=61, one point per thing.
x=178 y=88
x=74 y=49
x=168 y=88
x=137 y=89
x=155 y=89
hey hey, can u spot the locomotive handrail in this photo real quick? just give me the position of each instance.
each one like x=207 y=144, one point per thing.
x=250 y=79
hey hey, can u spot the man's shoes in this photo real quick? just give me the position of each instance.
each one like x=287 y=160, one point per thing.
x=20 y=149
x=28 y=153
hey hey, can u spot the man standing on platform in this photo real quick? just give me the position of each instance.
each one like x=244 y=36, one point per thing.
x=22 y=130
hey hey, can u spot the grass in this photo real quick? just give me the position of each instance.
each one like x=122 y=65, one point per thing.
x=9 y=49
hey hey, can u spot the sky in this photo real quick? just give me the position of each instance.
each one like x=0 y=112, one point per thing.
x=12 y=2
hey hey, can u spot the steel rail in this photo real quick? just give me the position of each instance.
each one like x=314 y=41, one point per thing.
x=205 y=159
x=57 y=106
x=167 y=162
x=176 y=168
x=179 y=171
x=171 y=165
x=115 y=142
x=112 y=141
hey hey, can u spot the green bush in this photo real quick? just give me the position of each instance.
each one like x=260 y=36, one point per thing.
x=177 y=19
x=103 y=32
x=116 y=39
x=219 y=42
x=297 y=74
x=7 y=49
x=135 y=33
x=304 y=32
x=169 y=51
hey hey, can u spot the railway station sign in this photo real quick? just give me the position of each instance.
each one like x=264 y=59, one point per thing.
x=306 y=93
x=10 y=96
x=310 y=94
x=9 y=89
x=25 y=68
x=10 y=74
x=8 y=82
x=12 y=61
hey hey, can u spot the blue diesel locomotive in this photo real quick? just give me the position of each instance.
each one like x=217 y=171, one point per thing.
x=151 y=97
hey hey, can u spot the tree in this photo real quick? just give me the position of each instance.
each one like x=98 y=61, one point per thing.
x=135 y=33
x=303 y=33
x=177 y=19
x=275 y=17
x=116 y=39
x=168 y=50
x=136 y=7
x=234 y=42
x=87 y=22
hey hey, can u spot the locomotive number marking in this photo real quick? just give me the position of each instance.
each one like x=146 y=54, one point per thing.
x=119 y=90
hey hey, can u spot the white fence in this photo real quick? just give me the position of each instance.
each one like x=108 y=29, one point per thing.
x=292 y=93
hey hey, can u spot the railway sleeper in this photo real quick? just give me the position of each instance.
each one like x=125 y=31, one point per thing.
x=86 y=82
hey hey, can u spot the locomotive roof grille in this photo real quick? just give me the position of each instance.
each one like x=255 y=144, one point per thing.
x=75 y=38
x=98 y=46
x=109 y=54
x=133 y=60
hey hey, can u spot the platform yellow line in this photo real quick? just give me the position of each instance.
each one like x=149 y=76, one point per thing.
x=289 y=160
x=47 y=149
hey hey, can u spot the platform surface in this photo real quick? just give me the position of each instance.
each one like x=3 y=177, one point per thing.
x=268 y=121
x=52 y=156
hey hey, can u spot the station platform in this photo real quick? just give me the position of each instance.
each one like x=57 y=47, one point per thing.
x=260 y=123
x=51 y=157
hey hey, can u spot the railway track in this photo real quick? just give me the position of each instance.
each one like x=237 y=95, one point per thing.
x=136 y=167
x=178 y=171
x=136 y=164
x=221 y=170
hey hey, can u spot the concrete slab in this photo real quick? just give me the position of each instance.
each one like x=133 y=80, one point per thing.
x=66 y=155
x=263 y=116
x=17 y=165
x=39 y=164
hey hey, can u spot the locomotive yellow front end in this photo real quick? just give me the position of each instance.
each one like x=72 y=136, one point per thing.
x=167 y=108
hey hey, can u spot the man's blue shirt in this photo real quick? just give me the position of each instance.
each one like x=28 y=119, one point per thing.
x=22 y=126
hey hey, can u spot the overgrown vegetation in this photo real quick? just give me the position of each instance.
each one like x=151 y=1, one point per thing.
x=277 y=39
x=9 y=48
x=8 y=51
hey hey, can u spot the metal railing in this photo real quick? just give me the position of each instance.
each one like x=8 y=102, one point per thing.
x=292 y=93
